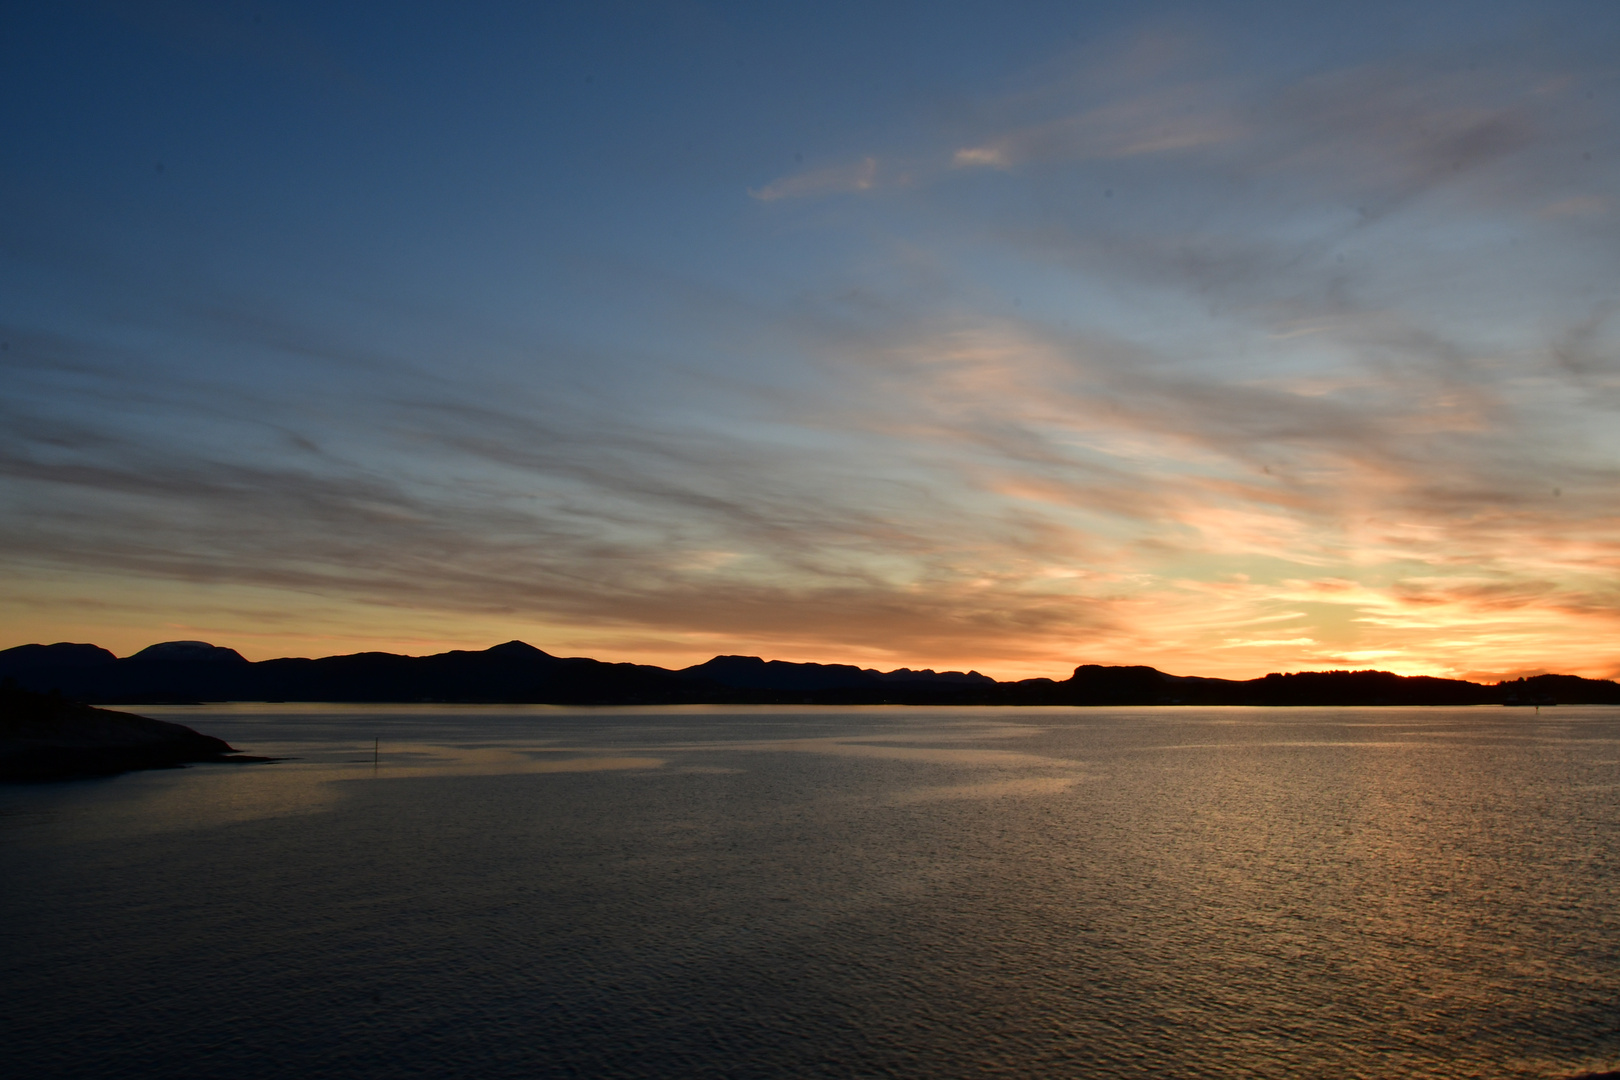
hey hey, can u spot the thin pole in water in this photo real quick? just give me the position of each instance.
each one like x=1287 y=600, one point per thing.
x=376 y=752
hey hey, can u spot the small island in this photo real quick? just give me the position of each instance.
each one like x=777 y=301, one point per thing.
x=48 y=737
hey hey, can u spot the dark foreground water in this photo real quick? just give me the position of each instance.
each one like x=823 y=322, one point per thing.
x=531 y=892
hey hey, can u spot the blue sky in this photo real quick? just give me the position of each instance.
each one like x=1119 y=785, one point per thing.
x=1228 y=338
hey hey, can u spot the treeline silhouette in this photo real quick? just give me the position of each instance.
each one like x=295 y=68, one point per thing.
x=175 y=672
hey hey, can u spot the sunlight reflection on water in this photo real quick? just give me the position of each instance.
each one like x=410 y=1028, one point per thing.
x=530 y=891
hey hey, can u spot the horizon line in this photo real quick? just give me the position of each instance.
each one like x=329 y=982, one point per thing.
x=1499 y=679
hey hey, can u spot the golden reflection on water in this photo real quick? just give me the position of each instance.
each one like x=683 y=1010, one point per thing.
x=990 y=789
x=311 y=777
x=871 y=747
x=178 y=800
x=312 y=782
x=437 y=759
x=1288 y=905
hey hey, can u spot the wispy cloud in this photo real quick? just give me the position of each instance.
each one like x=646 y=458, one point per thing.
x=1178 y=118
x=859 y=175
x=1576 y=206
x=1162 y=358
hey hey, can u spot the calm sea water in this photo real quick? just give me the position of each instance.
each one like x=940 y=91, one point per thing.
x=535 y=892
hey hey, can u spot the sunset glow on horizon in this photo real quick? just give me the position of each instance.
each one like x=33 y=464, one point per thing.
x=1263 y=339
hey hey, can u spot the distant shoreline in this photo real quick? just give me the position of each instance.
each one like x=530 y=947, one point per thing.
x=516 y=673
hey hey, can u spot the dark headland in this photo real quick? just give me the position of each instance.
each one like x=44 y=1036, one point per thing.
x=189 y=671
x=48 y=737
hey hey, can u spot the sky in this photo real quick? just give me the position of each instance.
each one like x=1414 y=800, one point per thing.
x=1224 y=337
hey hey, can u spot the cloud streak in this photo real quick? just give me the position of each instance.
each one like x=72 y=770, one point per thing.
x=860 y=175
x=1157 y=357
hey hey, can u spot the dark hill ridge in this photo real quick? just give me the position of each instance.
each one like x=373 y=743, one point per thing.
x=752 y=673
x=61 y=655
x=516 y=672
x=188 y=652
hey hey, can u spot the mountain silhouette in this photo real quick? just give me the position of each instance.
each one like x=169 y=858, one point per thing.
x=515 y=672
